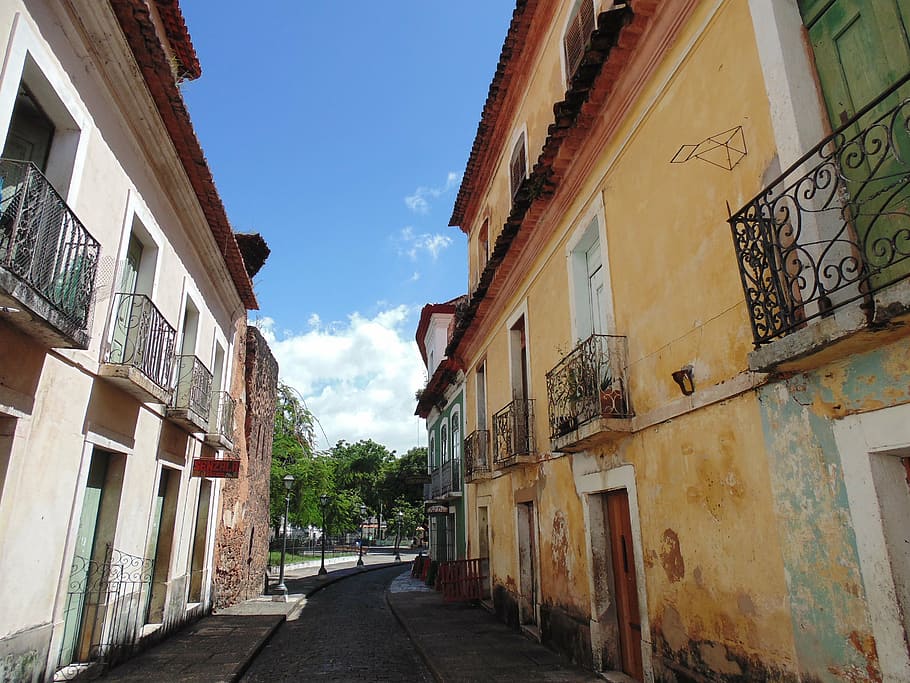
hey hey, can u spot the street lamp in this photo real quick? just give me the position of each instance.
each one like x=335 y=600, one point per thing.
x=282 y=595
x=398 y=537
x=363 y=513
x=323 y=501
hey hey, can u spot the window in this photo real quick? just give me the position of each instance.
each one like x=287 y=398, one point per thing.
x=456 y=435
x=483 y=247
x=579 y=29
x=42 y=129
x=518 y=165
x=589 y=281
x=444 y=444
x=480 y=376
x=433 y=463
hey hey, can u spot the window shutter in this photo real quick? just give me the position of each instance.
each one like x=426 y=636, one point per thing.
x=581 y=25
x=517 y=168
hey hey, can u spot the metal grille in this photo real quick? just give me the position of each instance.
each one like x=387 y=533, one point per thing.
x=589 y=382
x=513 y=431
x=194 y=386
x=476 y=453
x=105 y=609
x=222 y=419
x=832 y=229
x=43 y=243
x=142 y=338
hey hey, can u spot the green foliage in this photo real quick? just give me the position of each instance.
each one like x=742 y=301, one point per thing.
x=349 y=474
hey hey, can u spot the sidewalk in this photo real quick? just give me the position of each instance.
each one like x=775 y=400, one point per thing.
x=219 y=648
x=458 y=641
x=461 y=642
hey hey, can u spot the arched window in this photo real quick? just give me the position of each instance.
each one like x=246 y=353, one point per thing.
x=444 y=443
x=456 y=435
x=433 y=463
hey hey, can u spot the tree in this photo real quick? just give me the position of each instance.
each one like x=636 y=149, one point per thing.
x=293 y=453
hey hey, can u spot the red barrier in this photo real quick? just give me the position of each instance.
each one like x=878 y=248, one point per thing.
x=462 y=580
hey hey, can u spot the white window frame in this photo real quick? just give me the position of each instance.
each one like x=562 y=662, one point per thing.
x=68 y=151
x=521 y=132
x=517 y=314
x=576 y=268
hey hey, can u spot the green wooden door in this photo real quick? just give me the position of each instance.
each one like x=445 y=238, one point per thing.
x=861 y=49
x=84 y=572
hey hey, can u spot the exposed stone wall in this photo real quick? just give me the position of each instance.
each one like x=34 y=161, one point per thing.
x=242 y=539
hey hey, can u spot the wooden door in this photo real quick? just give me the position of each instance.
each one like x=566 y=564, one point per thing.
x=625 y=585
x=85 y=572
x=527 y=558
x=861 y=49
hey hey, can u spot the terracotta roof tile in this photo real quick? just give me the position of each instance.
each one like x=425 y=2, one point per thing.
x=136 y=22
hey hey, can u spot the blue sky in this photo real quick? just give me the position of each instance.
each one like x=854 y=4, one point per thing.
x=340 y=131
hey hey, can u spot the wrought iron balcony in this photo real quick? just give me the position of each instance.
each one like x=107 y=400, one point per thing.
x=221 y=421
x=446 y=480
x=477 y=455
x=192 y=395
x=48 y=259
x=587 y=394
x=141 y=353
x=834 y=228
x=513 y=434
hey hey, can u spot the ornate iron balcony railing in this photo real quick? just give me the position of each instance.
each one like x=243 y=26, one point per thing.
x=194 y=386
x=142 y=338
x=477 y=453
x=834 y=227
x=44 y=244
x=513 y=431
x=450 y=481
x=589 y=382
x=222 y=417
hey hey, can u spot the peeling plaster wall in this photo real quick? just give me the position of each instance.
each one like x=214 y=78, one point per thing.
x=830 y=618
x=712 y=564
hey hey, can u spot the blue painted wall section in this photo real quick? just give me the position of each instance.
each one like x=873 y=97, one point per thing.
x=831 y=624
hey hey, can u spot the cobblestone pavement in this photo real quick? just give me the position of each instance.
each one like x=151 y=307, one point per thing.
x=345 y=632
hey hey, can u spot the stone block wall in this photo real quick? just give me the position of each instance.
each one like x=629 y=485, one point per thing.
x=242 y=538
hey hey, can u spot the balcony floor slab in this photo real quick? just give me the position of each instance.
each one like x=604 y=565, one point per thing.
x=597 y=432
x=36 y=316
x=134 y=382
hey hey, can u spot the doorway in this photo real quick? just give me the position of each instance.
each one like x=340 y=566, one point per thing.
x=527 y=565
x=200 y=542
x=483 y=546
x=161 y=541
x=625 y=585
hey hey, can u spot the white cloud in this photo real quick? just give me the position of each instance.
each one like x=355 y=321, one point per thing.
x=410 y=244
x=419 y=201
x=358 y=377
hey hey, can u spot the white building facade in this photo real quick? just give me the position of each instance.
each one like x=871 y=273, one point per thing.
x=121 y=292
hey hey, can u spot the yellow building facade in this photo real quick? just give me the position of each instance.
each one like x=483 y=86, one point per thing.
x=632 y=451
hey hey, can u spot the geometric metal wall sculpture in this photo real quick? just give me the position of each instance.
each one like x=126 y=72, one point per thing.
x=724 y=149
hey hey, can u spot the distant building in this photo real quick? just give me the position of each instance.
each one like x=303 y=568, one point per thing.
x=687 y=455
x=441 y=405
x=123 y=298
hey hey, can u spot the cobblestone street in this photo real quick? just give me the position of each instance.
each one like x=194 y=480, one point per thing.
x=345 y=632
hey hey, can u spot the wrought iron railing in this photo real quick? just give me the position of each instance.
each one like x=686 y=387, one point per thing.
x=450 y=477
x=589 y=382
x=106 y=604
x=834 y=227
x=222 y=418
x=142 y=338
x=513 y=431
x=44 y=244
x=477 y=453
x=434 y=488
x=194 y=386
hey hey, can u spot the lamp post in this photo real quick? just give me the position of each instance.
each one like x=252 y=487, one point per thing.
x=398 y=537
x=363 y=513
x=323 y=501
x=282 y=594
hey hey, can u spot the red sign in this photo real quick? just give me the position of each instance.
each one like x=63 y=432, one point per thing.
x=213 y=467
